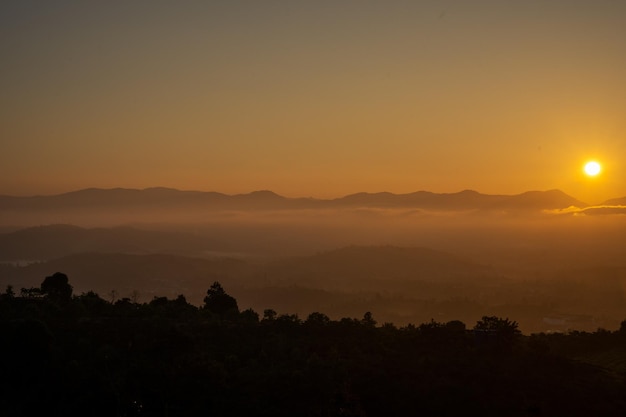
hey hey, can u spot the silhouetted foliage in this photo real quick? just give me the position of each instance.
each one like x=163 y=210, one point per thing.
x=269 y=314
x=496 y=333
x=9 y=292
x=218 y=302
x=93 y=304
x=317 y=319
x=57 y=287
x=368 y=320
x=496 y=324
x=167 y=357
x=250 y=316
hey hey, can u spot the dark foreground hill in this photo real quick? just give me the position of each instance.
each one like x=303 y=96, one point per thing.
x=86 y=356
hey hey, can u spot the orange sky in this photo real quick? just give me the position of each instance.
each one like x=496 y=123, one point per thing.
x=319 y=98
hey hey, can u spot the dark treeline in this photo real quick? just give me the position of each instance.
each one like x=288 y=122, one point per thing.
x=65 y=354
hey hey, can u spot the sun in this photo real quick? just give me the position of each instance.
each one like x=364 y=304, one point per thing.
x=592 y=168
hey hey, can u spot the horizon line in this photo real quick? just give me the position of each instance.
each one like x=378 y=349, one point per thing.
x=465 y=190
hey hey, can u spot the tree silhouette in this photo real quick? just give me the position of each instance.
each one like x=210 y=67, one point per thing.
x=368 y=320
x=57 y=288
x=493 y=323
x=92 y=303
x=9 y=293
x=218 y=302
x=249 y=316
x=318 y=319
x=497 y=333
x=165 y=358
x=269 y=314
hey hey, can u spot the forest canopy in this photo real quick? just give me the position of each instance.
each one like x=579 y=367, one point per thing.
x=84 y=355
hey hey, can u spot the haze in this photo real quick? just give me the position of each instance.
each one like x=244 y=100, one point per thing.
x=397 y=131
x=313 y=98
x=541 y=257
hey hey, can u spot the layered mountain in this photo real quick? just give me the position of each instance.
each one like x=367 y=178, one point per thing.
x=150 y=197
x=465 y=200
x=615 y=202
x=166 y=198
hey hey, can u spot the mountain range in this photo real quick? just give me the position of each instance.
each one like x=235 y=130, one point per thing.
x=167 y=198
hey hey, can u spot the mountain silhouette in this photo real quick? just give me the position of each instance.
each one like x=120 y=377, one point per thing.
x=166 y=198
x=466 y=200
x=539 y=200
x=615 y=202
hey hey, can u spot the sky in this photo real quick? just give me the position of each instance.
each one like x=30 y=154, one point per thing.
x=313 y=98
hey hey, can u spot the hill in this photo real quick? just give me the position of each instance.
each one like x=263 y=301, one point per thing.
x=166 y=198
x=465 y=200
x=615 y=202
x=91 y=356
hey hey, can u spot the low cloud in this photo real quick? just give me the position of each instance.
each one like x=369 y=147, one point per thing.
x=601 y=210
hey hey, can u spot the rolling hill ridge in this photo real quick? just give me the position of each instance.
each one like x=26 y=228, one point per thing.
x=163 y=198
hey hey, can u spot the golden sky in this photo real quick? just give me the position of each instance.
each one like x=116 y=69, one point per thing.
x=313 y=98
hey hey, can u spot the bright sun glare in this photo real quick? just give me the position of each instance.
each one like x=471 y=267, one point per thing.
x=592 y=168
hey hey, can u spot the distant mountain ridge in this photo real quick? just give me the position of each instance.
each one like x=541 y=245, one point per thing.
x=467 y=199
x=615 y=202
x=160 y=197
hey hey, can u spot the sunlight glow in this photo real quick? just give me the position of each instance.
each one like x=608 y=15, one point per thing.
x=592 y=168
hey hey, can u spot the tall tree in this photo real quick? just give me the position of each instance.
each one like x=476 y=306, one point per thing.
x=218 y=302
x=57 y=287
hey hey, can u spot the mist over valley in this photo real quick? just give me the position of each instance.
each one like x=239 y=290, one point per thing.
x=407 y=258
